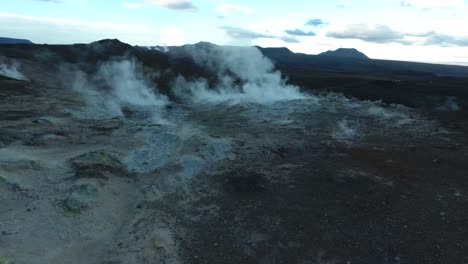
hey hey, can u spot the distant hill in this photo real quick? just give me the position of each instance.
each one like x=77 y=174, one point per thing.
x=335 y=61
x=14 y=41
x=349 y=53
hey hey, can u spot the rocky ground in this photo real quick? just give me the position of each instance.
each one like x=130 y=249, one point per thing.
x=322 y=179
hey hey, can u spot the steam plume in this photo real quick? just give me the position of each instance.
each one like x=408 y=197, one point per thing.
x=243 y=75
x=117 y=85
x=11 y=69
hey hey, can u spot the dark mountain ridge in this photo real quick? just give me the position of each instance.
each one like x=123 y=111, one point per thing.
x=342 y=52
x=4 y=40
x=347 y=64
x=341 y=60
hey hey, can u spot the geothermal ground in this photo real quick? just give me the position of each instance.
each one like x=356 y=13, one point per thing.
x=106 y=170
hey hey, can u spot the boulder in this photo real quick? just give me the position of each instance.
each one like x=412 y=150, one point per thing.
x=98 y=164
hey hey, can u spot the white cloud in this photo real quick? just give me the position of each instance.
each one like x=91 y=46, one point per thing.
x=241 y=33
x=384 y=34
x=429 y=3
x=228 y=9
x=365 y=32
x=344 y=4
x=182 y=5
x=245 y=34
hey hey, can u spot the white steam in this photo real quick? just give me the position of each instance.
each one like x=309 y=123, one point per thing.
x=11 y=69
x=450 y=105
x=117 y=85
x=343 y=131
x=243 y=75
x=398 y=117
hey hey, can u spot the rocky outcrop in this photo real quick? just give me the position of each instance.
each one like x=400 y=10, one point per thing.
x=97 y=164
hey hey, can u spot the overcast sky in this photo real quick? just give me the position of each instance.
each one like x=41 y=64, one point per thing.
x=414 y=30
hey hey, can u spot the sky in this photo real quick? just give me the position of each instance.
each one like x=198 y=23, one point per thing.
x=409 y=30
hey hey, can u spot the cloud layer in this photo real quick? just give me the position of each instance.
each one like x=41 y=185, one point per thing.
x=344 y=4
x=178 y=5
x=384 y=34
x=368 y=33
x=315 y=22
x=228 y=9
x=430 y=3
x=300 y=33
x=241 y=33
x=184 y=5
